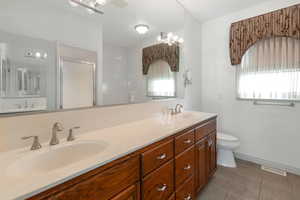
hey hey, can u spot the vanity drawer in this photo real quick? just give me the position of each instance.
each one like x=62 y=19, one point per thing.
x=184 y=141
x=184 y=166
x=159 y=185
x=103 y=186
x=205 y=129
x=186 y=191
x=156 y=157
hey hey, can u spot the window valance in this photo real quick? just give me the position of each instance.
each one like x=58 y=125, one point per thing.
x=281 y=23
x=170 y=54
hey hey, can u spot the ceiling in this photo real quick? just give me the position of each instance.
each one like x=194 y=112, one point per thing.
x=159 y=15
x=208 y=9
x=118 y=23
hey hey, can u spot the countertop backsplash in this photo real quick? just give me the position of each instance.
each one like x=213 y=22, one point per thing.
x=13 y=128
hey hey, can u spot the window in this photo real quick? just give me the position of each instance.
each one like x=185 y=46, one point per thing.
x=160 y=80
x=270 y=70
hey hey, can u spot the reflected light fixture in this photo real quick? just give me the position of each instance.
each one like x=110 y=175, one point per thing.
x=91 y=6
x=73 y=3
x=169 y=38
x=142 y=29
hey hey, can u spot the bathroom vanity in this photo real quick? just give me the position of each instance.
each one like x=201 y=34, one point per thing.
x=177 y=167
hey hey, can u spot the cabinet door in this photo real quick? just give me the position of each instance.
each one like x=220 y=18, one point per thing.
x=212 y=154
x=132 y=193
x=159 y=185
x=184 y=166
x=186 y=191
x=201 y=164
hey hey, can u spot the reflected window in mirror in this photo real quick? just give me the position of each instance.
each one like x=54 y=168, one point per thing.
x=161 y=81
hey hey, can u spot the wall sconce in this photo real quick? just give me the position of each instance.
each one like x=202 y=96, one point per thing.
x=187 y=77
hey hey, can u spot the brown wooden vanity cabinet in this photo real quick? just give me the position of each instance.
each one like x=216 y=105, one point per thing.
x=132 y=193
x=206 y=154
x=175 y=168
x=159 y=185
x=212 y=153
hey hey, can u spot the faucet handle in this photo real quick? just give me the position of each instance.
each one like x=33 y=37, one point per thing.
x=36 y=143
x=172 y=111
x=58 y=126
x=71 y=136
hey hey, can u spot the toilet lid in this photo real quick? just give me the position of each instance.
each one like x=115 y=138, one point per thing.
x=222 y=136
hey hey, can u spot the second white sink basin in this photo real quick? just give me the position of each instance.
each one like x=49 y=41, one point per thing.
x=49 y=159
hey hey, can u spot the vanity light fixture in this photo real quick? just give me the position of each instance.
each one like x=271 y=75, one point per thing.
x=142 y=29
x=91 y=6
x=169 y=38
x=73 y=3
x=36 y=54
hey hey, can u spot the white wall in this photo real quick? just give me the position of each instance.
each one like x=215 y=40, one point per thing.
x=115 y=75
x=192 y=60
x=268 y=133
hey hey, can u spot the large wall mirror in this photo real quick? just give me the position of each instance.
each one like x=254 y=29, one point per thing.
x=69 y=54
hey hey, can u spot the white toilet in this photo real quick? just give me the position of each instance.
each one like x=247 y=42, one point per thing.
x=226 y=144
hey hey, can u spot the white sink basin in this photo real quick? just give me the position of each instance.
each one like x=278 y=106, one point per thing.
x=56 y=157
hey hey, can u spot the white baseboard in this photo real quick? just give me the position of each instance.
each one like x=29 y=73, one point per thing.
x=260 y=161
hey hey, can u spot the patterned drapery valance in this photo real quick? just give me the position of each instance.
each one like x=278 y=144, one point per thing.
x=281 y=23
x=170 y=54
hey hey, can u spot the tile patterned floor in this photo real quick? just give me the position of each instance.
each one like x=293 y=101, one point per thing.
x=249 y=182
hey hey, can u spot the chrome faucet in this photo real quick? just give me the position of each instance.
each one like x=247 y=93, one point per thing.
x=178 y=108
x=71 y=136
x=36 y=143
x=57 y=127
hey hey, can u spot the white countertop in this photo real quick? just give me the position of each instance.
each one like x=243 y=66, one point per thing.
x=117 y=141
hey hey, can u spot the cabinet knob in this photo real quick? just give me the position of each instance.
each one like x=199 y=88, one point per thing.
x=210 y=142
x=189 y=197
x=188 y=141
x=161 y=157
x=188 y=167
x=162 y=188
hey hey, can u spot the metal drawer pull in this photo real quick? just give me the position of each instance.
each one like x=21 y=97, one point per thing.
x=162 y=188
x=161 y=157
x=188 y=167
x=188 y=141
x=188 y=197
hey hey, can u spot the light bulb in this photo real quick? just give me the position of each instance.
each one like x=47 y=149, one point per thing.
x=89 y=10
x=159 y=38
x=45 y=55
x=73 y=4
x=101 y=2
x=170 y=35
x=175 y=38
x=181 y=40
x=38 y=55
